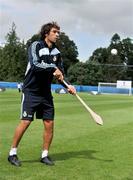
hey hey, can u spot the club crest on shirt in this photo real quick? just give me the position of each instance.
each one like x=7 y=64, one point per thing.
x=54 y=58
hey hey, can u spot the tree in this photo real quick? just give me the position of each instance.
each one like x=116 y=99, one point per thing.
x=35 y=37
x=76 y=73
x=99 y=60
x=84 y=73
x=114 y=67
x=68 y=50
x=103 y=66
x=13 y=59
x=127 y=56
x=115 y=40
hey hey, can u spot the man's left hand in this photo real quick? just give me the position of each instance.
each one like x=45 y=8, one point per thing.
x=71 y=89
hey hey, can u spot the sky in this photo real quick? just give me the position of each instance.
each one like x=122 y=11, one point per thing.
x=89 y=23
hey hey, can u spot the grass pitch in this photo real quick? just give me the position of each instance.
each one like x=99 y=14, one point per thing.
x=81 y=149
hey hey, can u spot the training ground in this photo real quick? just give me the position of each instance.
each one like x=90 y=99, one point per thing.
x=81 y=149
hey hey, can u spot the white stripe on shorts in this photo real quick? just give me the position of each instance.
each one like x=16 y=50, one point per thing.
x=23 y=97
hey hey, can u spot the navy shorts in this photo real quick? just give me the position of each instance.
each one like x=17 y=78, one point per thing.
x=31 y=104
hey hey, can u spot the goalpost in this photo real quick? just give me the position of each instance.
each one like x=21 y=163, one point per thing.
x=120 y=87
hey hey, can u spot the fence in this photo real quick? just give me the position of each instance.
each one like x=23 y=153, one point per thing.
x=79 y=88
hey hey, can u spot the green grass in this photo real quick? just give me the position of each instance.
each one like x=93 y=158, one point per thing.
x=81 y=149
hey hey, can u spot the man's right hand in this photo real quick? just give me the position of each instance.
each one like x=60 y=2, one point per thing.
x=58 y=74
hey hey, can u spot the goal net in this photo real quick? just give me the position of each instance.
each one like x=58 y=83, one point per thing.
x=121 y=87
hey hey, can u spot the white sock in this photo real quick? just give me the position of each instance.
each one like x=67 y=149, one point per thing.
x=13 y=151
x=44 y=153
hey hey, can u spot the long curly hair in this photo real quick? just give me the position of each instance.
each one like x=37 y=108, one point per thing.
x=45 y=29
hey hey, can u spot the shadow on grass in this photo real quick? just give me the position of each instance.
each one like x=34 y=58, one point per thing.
x=31 y=161
x=88 y=154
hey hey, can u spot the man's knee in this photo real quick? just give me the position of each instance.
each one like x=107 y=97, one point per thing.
x=25 y=123
x=48 y=125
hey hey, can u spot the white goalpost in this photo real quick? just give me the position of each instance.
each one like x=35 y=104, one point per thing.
x=120 y=87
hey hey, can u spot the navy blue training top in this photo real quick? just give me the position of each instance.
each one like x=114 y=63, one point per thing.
x=42 y=62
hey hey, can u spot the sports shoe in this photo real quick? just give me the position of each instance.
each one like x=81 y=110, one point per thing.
x=47 y=160
x=14 y=160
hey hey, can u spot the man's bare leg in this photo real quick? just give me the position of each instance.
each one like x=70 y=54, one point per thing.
x=47 y=139
x=21 y=128
x=48 y=134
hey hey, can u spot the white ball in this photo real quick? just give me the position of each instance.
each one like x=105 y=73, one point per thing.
x=114 y=51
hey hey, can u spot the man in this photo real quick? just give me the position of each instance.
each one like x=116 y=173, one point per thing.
x=44 y=63
x=19 y=87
